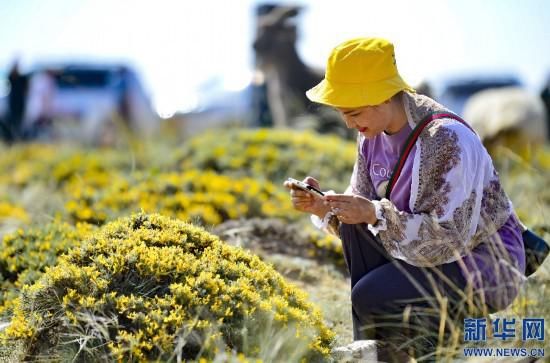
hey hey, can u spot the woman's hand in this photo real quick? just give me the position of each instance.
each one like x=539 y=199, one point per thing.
x=305 y=202
x=351 y=209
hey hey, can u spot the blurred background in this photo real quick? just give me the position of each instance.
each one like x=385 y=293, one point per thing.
x=200 y=64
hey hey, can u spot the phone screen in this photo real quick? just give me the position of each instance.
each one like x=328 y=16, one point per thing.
x=315 y=190
x=306 y=187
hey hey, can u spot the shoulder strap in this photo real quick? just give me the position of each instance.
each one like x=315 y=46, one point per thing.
x=411 y=140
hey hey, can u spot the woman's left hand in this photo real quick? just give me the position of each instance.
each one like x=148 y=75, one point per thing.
x=351 y=209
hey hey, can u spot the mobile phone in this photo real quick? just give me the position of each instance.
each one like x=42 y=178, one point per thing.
x=306 y=187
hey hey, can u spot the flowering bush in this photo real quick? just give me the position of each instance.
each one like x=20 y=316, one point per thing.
x=95 y=185
x=24 y=255
x=202 y=197
x=25 y=164
x=272 y=155
x=523 y=176
x=55 y=164
x=152 y=288
x=12 y=211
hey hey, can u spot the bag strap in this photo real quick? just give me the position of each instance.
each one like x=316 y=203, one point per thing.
x=411 y=140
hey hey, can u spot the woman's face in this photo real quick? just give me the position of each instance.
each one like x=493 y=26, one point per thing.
x=369 y=120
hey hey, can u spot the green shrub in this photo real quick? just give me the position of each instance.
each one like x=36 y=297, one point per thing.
x=152 y=288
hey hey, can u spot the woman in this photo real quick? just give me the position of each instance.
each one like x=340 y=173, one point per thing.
x=444 y=239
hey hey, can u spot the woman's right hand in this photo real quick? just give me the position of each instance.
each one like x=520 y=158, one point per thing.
x=304 y=201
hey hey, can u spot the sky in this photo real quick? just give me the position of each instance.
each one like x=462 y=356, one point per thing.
x=179 y=46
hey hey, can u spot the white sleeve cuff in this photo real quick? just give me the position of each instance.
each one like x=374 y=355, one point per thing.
x=380 y=224
x=322 y=224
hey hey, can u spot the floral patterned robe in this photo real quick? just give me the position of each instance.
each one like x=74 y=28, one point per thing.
x=456 y=199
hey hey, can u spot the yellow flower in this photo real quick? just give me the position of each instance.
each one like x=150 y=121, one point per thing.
x=10 y=211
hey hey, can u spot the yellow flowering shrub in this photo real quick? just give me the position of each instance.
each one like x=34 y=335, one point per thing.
x=327 y=245
x=95 y=185
x=57 y=164
x=12 y=211
x=523 y=176
x=49 y=168
x=202 y=197
x=24 y=164
x=272 y=155
x=152 y=288
x=25 y=254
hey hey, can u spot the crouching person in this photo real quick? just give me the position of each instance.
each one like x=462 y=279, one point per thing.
x=428 y=233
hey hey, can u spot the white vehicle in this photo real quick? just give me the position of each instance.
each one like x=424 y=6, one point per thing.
x=93 y=96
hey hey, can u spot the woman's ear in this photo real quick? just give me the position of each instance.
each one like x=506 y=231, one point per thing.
x=394 y=97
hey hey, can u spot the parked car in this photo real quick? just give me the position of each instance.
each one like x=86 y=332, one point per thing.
x=92 y=95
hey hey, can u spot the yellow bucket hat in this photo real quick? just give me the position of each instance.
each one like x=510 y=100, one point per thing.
x=360 y=72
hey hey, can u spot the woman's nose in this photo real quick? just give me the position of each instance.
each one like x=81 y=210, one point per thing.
x=349 y=122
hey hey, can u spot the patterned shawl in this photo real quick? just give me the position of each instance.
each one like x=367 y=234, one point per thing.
x=456 y=198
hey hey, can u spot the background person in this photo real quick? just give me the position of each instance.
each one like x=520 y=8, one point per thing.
x=17 y=97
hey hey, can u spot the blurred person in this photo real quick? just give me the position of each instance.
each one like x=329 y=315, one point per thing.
x=17 y=97
x=545 y=96
x=123 y=99
x=424 y=234
x=40 y=106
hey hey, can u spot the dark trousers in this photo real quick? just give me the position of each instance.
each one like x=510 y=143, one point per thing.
x=393 y=301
